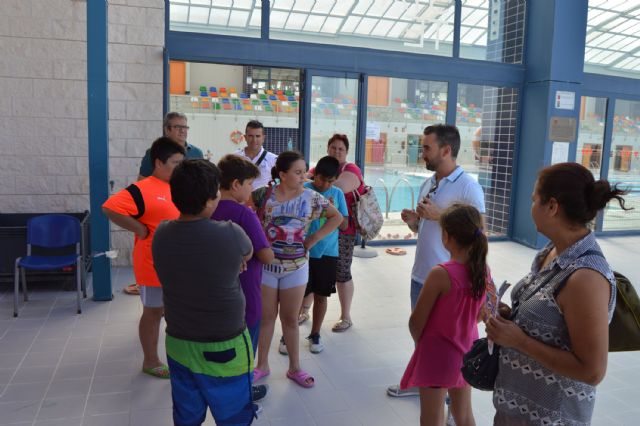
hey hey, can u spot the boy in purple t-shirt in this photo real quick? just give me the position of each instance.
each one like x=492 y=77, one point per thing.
x=236 y=176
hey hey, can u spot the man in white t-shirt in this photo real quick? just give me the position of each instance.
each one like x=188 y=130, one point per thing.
x=448 y=185
x=255 y=152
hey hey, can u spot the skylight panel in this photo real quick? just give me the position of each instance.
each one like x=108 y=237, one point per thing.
x=283 y=4
x=296 y=21
x=219 y=16
x=314 y=23
x=350 y=24
x=397 y=29
x=362 y=6
x=238 y=18
x=342 y=7
x=396 y=10
x=303 y=5
x=332 y=25
x=602 y=17
x=199 y=15
x=379 y=7
x=242 y=4
x=178 y=13
x=201 y=2
x=324 y=6
x=382 y=28
x=472 y=35
x=365 y=26
x=256 y=18
x=278 y=19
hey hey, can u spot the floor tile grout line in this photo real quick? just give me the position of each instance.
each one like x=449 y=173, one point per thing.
x=55 y=370
x=28 y=350
x=95 y=366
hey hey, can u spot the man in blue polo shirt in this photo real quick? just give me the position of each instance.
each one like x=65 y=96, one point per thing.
x=175 y=127
x=448 y=185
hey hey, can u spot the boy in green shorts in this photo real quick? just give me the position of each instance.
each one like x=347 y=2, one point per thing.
x=198 y=260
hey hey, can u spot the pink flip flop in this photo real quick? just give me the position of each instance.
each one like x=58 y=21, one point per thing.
x=259 y=374
x=301 y=377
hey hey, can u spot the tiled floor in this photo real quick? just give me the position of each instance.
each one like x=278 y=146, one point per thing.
x=59 y=368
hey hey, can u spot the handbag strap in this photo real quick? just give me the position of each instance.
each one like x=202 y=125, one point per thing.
x=263 y=204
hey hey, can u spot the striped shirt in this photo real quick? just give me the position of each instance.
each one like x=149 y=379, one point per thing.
x=525 y=390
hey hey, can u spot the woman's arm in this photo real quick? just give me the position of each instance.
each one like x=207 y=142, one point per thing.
x=584 y=301
x=334 y=219
x=347 y=181
x=437 y=283
x=265 y=256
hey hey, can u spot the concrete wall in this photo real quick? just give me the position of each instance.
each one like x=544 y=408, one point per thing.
x=43 y=102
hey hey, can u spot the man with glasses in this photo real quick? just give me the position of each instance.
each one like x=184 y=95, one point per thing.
x=174 y=127
x=448 y=185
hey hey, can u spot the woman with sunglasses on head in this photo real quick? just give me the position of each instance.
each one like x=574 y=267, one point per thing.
x=554 y=349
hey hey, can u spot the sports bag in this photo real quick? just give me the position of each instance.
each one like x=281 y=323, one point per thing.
x=367 y=213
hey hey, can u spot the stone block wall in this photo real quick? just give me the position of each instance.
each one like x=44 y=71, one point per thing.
x=43 y=102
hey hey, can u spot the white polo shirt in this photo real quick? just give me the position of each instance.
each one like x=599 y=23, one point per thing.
x=458 y=187
x=265 y=166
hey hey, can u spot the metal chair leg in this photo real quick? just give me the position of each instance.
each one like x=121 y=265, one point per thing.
x=24 y=284
x=79 y=283
x=16 y=288
x=84 y=279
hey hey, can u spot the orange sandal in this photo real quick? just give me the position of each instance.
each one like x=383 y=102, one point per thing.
x=396 y=251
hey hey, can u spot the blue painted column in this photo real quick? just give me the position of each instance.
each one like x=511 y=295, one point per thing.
x=554 y=57
x=98 y=121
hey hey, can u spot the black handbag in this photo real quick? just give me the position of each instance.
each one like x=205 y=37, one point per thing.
x=479 y=367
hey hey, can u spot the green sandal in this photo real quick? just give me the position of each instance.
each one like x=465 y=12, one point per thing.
x=161 y=371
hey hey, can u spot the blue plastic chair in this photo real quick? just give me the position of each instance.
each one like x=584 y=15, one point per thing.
x=51 y=231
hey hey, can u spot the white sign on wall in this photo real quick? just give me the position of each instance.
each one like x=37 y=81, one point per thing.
x=560 y=152
x=565 y=100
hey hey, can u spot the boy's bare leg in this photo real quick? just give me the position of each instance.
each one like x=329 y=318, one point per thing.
x=267 y=323
x=319 y=311
x=149 y=332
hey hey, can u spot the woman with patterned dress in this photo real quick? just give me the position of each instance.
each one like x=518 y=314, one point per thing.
x=554 y=352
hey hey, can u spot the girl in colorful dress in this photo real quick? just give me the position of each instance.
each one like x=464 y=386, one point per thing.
x=444 y=321
x=286 y=210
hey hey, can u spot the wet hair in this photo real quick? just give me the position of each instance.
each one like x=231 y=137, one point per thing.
x=578 y=193
x=163 y=148
x=463 y=223
x=284 y=162
x=171 y=116
x=193 y=183
x=328 y=167
x=446 y=135
x=235 y=167
x=254 y=124
x=339 y=137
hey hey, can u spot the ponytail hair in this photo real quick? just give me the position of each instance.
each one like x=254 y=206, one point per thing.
x=284 y=162
x=463 y=223
x=578 y=193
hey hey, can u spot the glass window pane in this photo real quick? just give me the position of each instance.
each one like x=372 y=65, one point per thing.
x=398 y=110
x=612 y=28
x=421 y=26
x=334 y=109
x=624 y=166
x=593 y=112
x=238 y=17
x=492 y=30
x=486 y=118
x=220 y=99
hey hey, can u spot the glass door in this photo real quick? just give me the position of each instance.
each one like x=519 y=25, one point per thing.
x=332 y=99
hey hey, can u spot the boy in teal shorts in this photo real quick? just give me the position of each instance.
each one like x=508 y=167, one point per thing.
x=208 y=346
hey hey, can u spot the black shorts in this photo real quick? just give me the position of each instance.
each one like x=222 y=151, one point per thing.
x=322 y=276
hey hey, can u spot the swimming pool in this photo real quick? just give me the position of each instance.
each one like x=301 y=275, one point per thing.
x=406 y=183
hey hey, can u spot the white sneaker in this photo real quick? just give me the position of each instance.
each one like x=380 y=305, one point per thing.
x=315 y=343
x=282 y=348
x=395 y=391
